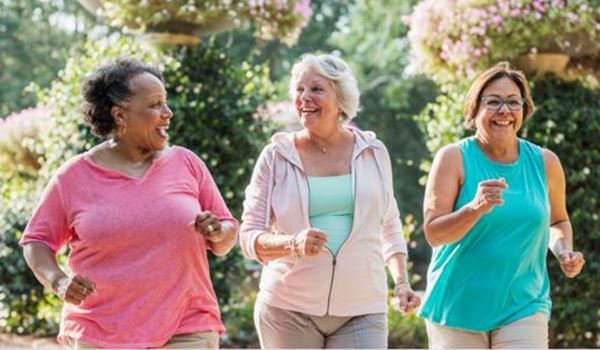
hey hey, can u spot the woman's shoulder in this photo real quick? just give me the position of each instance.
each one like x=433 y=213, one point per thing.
x=451 y=152
x=73 y=165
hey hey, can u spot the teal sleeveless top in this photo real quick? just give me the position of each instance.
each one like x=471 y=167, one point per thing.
x=331 y=207
x=496 y=273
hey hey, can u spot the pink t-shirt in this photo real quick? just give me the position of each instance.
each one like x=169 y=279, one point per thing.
x=131 y=237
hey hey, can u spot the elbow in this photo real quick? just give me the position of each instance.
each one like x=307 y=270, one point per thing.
x=221 y=252
x=430 y=235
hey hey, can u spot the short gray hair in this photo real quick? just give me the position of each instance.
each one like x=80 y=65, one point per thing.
x=338 y=73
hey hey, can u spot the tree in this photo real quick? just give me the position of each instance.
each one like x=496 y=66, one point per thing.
x=35 y=39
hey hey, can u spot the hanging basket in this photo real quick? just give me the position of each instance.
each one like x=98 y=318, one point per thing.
x=543 y=63
x=172 y=39
x=176 y=30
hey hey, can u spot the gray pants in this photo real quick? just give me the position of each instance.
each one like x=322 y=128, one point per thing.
x=279 y=328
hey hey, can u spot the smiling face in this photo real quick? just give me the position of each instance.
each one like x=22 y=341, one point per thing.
x=502 y=123
x=146 y=115
x=315 y=101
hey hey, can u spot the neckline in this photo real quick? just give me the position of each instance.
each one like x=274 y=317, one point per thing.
x=499 y=164
x=87 y=156
x=329 y=177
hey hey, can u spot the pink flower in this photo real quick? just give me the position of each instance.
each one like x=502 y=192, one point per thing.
x=303 y=8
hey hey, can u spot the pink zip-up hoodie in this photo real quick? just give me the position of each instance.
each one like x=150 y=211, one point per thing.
x=351 y=283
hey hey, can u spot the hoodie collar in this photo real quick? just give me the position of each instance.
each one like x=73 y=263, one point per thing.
x=284 y=144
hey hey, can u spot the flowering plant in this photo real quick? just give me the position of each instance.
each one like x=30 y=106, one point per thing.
x=458 y=38
x=18 y=134
x=274 y=18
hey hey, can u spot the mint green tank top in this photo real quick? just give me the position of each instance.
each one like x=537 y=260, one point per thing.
x=496 y=273
x=331 y=207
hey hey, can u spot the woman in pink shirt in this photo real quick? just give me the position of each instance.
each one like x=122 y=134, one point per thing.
x=139 y=217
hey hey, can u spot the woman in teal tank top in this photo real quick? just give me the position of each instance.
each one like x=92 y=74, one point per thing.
x=493 y=206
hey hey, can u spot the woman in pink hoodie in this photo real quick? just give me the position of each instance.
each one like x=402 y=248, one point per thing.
x=321 y=216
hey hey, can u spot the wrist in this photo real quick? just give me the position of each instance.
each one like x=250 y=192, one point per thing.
x=291 y=246
x=401 y=280
x=56 y=283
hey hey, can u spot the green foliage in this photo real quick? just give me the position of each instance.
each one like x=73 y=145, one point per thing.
x=24 y=307
x=406 y=331
x=241 y=332
x=34 y=47
x=567 y=122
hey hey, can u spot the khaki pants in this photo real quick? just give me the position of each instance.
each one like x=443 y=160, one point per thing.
x=279 y=328
x=200 y=340
x=526 y=333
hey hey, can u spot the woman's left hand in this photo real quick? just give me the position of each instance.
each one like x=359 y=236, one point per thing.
x=208 y=225
x=405 y=299
x=571 y=262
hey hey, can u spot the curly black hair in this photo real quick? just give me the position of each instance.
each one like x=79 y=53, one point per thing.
x=109 y=86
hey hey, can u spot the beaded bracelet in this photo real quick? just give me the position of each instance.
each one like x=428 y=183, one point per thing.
x=291 y=245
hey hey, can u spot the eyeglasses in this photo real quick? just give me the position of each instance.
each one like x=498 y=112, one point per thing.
x=494 y=103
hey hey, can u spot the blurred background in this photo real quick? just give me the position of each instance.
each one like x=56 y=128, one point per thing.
x=226 y=64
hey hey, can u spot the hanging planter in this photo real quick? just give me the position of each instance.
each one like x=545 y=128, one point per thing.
x=281 y=19
x=543 y=63
x=453 y=40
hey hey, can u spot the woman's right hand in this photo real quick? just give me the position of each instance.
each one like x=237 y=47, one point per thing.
x=73 y=289
x=489 y=194
x=310 y=242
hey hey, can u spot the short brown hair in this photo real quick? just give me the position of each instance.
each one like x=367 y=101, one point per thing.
x=498 y=71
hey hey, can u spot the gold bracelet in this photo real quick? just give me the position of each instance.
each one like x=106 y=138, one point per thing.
x=291 y=245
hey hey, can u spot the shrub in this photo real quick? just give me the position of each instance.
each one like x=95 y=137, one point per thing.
x=567 y=121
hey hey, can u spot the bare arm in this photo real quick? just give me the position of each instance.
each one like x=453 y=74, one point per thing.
x=443 y=225
x=405 y=298
x=42 y=261
x=561 y=232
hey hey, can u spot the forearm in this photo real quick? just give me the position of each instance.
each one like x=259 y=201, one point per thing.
x=397 y=267
x=561 y=237
x=452 y=227
x=42 y=261
x=227 y=241
x=271 y=246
